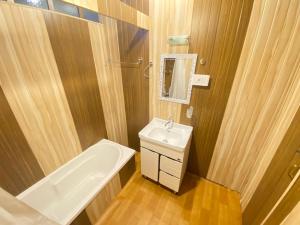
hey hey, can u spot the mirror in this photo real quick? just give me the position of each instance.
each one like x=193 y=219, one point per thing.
x=176 y=71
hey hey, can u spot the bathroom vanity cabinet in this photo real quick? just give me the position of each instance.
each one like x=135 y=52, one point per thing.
x=164 y=165
x=165 y=147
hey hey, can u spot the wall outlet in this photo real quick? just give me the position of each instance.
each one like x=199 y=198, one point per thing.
x=200 y=80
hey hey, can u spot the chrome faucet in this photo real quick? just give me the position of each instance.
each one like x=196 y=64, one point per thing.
x=169 y=124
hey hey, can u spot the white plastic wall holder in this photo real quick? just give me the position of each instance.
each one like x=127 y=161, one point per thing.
x=179 y=40
x=200 y=80
x=189 y=112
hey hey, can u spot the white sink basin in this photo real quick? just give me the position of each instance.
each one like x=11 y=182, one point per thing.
x=176 y=137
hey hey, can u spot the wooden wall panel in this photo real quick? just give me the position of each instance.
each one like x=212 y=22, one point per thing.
x=134 y=44
x=286 y=203
x=293 y=217
x=104 y=39
x=81 y=219
x=276 y=178
x=19 y=168
x=77 y=70
x=218 y=38
x=263 y=100
x=127 y=171
x=169 y=17
x=142 y=6
x=31 y=83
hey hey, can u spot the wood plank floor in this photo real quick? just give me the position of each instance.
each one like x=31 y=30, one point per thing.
x=143 y=202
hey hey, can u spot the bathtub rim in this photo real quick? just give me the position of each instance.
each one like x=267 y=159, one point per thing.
x=125 y=155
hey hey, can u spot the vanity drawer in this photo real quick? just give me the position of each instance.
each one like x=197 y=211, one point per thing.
x=169 y=181
x=170 y=166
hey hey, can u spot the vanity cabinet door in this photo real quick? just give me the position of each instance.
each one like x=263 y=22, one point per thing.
x=149 y=164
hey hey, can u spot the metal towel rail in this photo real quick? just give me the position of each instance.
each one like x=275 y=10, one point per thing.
x=127 y=64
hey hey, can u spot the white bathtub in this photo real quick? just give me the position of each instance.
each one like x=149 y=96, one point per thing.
x=63 y=194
